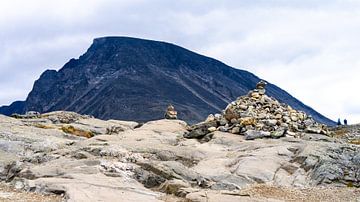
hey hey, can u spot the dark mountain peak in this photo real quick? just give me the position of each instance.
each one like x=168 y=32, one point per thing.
x=135 y=79
x=49 y=74
x=123 y=41
x=120 y=44
x=146 y=53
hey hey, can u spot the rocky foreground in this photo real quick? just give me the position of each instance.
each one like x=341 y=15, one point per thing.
x=256 y=150
x=81 y=158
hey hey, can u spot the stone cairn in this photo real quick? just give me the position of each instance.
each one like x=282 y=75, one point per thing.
x=257 y=115
x=170 y=112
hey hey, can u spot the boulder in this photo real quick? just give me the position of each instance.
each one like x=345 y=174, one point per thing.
x=201 y=129
x=278 y=133
x=253 y=134
x=212 y=129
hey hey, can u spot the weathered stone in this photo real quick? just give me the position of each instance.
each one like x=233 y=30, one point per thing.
x=301 y=116
x=308 y=122
x=235 y=130
x=261 y=85
x=173 y=186
x=230 y=113
x=201 y=129
x=290 y=133
x=243 y=107
x=259 y=126
x=210 y=118
x=262 y=116
x=294 y=117
x=255 y=95
x=217 y=116
x=286 y=119
x=278 y=133
x=212 y=129
x=313 y=129
x=222 y=121
x=271 y=122
x=253 y=134
x=223 y=129
x=234 y=121
x=261 y=91
x=247 y=121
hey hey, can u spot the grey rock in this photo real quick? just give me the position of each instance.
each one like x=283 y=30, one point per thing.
x=200 y=130
x=253 y=134
x=262 y=91
x=271 y=122
x=173 y=186
x=278 y=133
x=223 y=122
x=212 y=129
x=223 y=129
x=286 y=119
x=235 y=130
x=313 y=129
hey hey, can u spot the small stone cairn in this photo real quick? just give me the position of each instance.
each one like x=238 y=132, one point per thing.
x=257 y=115
x=170 y=112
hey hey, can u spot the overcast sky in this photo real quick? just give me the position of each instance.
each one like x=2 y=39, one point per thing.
x=310 y=48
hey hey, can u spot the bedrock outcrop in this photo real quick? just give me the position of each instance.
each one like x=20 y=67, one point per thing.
x=82 y=158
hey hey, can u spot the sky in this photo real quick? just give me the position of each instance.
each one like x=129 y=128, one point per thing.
x=310 y=48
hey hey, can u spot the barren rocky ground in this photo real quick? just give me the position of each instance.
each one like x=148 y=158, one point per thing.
x=80 y=158
x=9 y=194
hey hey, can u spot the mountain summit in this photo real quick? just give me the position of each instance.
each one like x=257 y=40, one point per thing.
x=135 y=79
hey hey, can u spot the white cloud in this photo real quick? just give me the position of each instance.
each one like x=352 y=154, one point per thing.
x=309 y=48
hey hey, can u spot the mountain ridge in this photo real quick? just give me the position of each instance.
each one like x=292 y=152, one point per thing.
x=135 y=79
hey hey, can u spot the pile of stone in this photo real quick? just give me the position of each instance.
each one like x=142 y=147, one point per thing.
x=257 y=115
x=170 y=113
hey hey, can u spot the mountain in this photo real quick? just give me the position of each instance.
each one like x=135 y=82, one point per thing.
x=135 y=79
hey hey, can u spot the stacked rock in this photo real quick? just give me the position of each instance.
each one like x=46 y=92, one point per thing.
x=257 y=115
x=170 y=113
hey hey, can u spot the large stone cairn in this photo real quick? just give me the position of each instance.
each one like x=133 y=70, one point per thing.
x=257 y=115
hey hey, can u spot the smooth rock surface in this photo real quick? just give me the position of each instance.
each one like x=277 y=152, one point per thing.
x=148 y=163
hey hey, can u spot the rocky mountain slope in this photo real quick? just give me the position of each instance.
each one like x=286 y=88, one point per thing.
x=134 y=79
x=81 y=158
